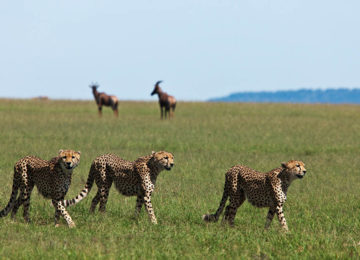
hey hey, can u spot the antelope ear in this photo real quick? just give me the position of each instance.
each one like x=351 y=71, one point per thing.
x=60 y=151
x=284 y=165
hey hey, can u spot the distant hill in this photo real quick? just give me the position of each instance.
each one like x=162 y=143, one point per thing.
x=331 y=96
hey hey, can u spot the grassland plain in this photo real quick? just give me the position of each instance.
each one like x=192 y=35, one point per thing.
x=322 y=209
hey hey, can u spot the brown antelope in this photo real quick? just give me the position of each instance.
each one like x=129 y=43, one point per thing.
x=165 y=101
x=103 y=99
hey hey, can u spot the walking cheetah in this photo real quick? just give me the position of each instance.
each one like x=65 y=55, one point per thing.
x=260 y=189
x=52 y=178
x=136 y=178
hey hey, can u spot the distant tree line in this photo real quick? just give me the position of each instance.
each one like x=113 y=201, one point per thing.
x=331 y=96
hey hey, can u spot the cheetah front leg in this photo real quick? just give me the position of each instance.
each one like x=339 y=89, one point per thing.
x=148 y=188
x=138 y=206
x=60 y=209
x=148 y=206
x=57 y=217
x=269 y=217
x=281 y=217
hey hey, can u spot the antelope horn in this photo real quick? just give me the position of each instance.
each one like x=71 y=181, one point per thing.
x=93 y=85
x=157 y=83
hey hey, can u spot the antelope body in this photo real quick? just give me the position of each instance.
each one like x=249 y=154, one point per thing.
x=103 y=99
x=166 y=101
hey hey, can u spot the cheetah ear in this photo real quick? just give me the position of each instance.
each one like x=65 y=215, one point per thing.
x=284 y=165
x=153 y=153
x=79 y=152
x=60 y=151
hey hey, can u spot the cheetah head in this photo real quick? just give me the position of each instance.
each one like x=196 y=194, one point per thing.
x=69 y=159
x=165 y=159
x=296 y=169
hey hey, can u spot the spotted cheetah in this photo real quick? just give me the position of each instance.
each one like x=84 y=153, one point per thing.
x=260 y=189
x=136 y=178
x=52 y=178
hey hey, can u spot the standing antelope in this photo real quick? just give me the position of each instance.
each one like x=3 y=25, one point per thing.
x=165 y=100
x=103 y=99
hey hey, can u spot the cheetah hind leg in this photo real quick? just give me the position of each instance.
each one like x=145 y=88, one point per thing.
x=230 y=213
x=104 y=196
x=231 y=209
x=26 y=201
x=17 y=205
x=95 y=201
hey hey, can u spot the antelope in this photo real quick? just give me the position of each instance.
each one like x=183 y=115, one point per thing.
x=165 y=101
x=103 y=99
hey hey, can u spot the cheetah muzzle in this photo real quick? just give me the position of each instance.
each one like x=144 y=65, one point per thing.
x=168 y=168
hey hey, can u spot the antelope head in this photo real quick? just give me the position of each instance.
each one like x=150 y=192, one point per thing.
x=156 y=88
x=94 y=86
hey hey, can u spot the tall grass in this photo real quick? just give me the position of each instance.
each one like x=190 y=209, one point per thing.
x=322 y=209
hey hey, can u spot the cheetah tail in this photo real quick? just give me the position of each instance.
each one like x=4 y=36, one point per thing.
x=10 y=205
x=215 y=217
x=84 y=192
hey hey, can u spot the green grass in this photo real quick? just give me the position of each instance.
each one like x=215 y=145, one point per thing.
x=322 y=209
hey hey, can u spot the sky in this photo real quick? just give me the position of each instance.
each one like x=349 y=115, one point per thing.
x=201 y=49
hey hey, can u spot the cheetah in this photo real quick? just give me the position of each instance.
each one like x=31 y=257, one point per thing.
x=136 y=178
x=52 y=179
x=260 y=189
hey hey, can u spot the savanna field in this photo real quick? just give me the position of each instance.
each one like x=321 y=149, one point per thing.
x=322 y=209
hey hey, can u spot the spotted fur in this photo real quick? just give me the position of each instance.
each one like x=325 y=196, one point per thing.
x=136 y=178
x=52 y=178
x=260 y=189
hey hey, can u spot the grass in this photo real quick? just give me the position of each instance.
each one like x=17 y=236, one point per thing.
x=322 y=209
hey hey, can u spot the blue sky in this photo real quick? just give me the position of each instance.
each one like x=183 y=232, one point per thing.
x=200 y=49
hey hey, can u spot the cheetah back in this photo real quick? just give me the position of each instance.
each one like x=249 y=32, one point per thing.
x=255 y=185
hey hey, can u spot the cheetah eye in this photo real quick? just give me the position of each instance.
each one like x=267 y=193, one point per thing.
x=297 y=165
x=73 y=157
x=64 y=157
x=166 y=157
